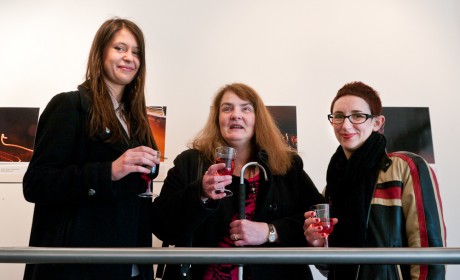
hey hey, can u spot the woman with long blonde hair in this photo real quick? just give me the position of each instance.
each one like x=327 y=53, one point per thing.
x=193 y=208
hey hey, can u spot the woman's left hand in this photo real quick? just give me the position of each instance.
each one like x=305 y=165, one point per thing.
x=245 y=232
x=134 y=160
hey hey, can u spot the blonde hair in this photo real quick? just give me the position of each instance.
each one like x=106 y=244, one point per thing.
x=267 y=135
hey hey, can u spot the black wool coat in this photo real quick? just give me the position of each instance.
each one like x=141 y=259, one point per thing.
x=76 y=202
x=182 y=219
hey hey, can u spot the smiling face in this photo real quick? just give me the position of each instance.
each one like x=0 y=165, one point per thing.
x=121 y=61
x=236 y=120
x=352 y=136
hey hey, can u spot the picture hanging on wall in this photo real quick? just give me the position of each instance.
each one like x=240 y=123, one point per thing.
x=17 y=132
x=409 y=129
x=18 y=126
x=157 y=121
x=286 y=119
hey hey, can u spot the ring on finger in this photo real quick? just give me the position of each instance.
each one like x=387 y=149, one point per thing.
x=235 y=237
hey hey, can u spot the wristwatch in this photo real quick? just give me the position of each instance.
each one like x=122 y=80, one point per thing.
x=271 y=233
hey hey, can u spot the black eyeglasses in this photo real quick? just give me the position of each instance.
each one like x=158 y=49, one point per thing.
x=356 y=118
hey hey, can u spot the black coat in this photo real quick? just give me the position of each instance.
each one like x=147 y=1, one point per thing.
x=76 y=202
x=180 y=215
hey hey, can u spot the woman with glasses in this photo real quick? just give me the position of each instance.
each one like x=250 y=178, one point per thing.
x=380 y=199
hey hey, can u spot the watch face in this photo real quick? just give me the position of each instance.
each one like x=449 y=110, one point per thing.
x=271 y=233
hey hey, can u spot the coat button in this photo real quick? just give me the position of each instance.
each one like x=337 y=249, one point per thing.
x=91 y=192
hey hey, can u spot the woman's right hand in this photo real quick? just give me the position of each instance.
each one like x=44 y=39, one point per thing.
x=133 y=160
x=212 y=181
x=311 y=232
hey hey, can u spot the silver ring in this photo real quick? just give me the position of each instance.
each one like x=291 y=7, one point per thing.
x=235 y=237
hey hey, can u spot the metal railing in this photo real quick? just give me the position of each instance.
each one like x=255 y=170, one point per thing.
x=244 y=255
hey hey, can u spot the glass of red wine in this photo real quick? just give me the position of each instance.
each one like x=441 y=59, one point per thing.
x=322 y=213
x=149 y=179
x=225 y=155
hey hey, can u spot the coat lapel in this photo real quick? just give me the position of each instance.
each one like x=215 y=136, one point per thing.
x=103 y=136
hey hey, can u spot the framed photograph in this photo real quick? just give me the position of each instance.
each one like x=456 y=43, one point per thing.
x=17 y=135
x=286 y=119
x=409 y=129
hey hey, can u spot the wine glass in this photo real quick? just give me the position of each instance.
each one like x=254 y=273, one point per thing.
x=149 y=178
x=225 y=155
x=325 y=221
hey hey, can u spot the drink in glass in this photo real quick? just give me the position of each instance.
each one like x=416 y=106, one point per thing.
x=225 y=155
x=154 y=170
x=322 y=213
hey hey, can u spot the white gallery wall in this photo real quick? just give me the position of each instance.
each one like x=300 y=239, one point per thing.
x=296 y=52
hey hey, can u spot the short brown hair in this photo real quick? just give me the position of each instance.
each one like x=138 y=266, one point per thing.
x=364 y=91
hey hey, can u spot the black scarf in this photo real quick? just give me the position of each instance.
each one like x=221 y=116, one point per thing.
x=350 y=187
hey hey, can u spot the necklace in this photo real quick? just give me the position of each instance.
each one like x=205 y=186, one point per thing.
x=253 y=182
